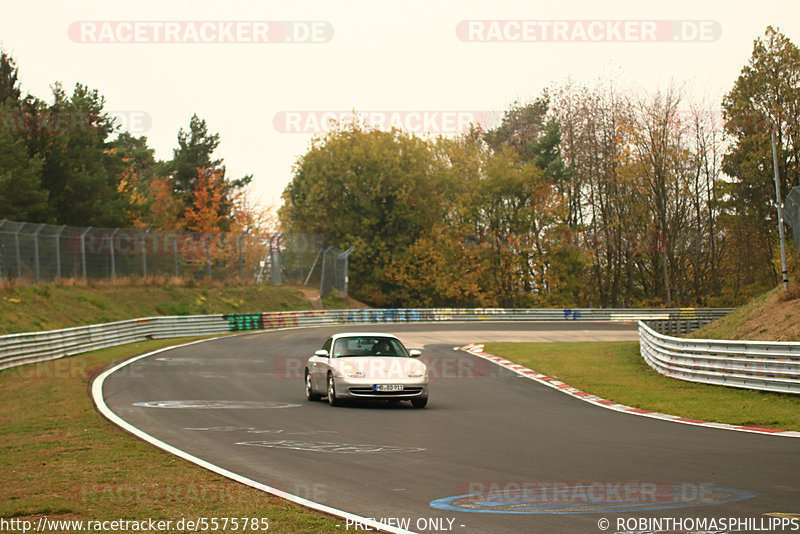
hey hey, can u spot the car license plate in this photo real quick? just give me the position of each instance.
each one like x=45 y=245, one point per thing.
x=388 y=387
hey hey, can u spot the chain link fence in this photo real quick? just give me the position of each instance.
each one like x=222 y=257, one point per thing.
x=308 y=259
x=42 y=252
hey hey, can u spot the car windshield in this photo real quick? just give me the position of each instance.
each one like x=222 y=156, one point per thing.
x=368 y=346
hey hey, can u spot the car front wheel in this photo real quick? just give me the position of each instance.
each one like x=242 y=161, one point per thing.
x=310 y=395
x=332 y=392
x=419 y=403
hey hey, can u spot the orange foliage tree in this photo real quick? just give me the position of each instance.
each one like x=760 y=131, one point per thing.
x=206 y=212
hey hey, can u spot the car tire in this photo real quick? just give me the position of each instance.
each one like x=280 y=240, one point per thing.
x=332 y=400
x=310 y=395
x=419 y=403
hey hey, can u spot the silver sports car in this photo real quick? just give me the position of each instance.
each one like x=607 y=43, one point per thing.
x=366 y=366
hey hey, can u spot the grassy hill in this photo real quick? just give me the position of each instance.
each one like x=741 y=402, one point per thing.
x=773 y=316
x=48 y=307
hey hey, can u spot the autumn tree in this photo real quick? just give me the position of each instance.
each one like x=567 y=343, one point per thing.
x=377 y=191
x=137 y=172
x=195 y=151
x=80 y=171
x=765 y=98
x=644 y=171
x=539 y=200
x=442 y=268
x=9 y=79
x=21 y=195
x=204 y=215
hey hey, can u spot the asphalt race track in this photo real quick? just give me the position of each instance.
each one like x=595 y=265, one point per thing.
x=493 y=451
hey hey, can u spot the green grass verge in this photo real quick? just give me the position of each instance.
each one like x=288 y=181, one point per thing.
x=59 y=458
x=615 y=371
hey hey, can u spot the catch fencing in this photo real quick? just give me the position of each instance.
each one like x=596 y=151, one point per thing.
x=768 y=366
x=19 y=349
x=44 y=252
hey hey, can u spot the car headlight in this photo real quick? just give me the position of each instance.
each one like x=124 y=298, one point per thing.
x=349 y=370
x=416 y=370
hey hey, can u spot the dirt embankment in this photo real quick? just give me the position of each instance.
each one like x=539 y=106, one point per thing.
x=774 y=316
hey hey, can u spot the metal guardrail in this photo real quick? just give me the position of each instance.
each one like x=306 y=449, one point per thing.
x=763 y=365
x=19 y=349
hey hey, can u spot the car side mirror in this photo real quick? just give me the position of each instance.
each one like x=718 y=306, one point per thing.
x=321 y=352
x=414 y=353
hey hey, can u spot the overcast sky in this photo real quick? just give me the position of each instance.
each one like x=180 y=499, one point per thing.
x=427 y=65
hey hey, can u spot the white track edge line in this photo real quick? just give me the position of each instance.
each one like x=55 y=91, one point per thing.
x=97 y=396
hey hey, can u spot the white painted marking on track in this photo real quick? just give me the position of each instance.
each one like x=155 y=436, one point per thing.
x=220 y=428
x=342 y=448
x=102 y=407
x=216 y=404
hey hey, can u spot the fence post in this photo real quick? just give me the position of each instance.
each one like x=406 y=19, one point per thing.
x=113 y=239
x=2 y=222
x=144 y=253
x=58 y=251
x=36 y=252
x=241 y=255
x=175 y=253
x=83 y=251
x=313 y=266
x=300 y=254
x=16 y=250
x=346 y=274
x=275 y=261
x=208 y=255
x=322 y=289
